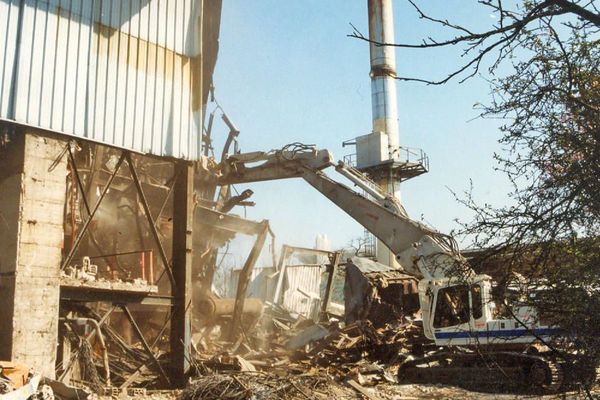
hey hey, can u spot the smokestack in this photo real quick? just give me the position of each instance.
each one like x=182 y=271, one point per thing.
x=383 y=72
x=383 y=142
x=378 y=153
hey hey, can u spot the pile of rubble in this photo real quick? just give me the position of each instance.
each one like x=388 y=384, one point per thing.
x=257 y=385
x=281 y=354
x=19 y=382
x=290 y=357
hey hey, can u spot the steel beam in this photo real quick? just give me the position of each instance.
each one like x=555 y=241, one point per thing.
x=332 y=269
x=140 y=336
x=183 y=220
x=227 y=222
x=166 y=200
x=283 y=258
x=93 y=212
x=161 y=250
x=244 y=279
x=87 y=295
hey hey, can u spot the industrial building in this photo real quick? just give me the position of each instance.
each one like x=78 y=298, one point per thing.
x=115 y=204
x=101 y=110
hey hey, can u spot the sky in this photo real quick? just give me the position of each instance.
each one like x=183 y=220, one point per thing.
x=287 y=72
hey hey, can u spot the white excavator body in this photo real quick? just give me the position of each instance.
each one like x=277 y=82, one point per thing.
x=464 y=314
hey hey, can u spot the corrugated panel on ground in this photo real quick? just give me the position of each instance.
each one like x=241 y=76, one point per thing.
x=301 y=278
x=122 y=72
x=298 y=279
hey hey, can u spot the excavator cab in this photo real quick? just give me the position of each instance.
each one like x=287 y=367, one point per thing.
x=452 y=306
x=457 y=310
x=463 y=314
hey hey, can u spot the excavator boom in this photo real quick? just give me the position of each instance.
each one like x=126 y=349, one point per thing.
x=378 y=212
x=397 y=231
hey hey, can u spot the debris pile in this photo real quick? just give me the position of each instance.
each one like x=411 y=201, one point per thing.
x=362 y=341
x=109 y=363
x=19 y=382
x=290 y=356
x=13 y=376
x=285 y=354
x=258 y=386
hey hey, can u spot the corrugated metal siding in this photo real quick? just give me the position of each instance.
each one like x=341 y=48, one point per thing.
x=305 y=277
x=121 y=72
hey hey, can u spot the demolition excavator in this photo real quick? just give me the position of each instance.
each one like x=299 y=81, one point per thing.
x=459 y=315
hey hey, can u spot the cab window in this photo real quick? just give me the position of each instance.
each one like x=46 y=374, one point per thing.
x=452 y=306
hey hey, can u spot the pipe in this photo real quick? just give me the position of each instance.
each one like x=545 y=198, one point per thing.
x=212 y=308
x=383 y=97
x=143 y=265
x=151 y=272
x=383 y=72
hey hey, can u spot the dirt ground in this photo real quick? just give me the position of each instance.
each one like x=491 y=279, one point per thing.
x=386 y=392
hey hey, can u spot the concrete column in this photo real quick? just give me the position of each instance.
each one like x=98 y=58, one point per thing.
x=32 y=201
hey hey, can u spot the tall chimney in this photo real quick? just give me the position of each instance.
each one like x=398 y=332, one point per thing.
x=383 y=100
x=378 y=154
x=383 y=72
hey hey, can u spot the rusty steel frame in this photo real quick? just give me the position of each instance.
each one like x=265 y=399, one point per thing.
x=180 y=272
x=86 y=224
x=161 y=250
x=84 y=198
x=139 y=370
x=140 y=336
x=244 y=279
x=181 y=318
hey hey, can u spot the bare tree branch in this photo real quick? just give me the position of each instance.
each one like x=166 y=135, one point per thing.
x=503 y=37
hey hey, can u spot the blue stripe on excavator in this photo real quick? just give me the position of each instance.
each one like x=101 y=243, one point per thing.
x=492 y=334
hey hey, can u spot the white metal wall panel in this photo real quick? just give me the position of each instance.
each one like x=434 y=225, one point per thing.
x=177 y=29
x=9 y=16
x=304 y=277
x=121 y=72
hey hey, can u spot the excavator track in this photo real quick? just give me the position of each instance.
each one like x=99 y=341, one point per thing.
x=490 y=370
x=547 y=375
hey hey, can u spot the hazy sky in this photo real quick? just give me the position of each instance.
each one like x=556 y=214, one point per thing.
x=287 y=72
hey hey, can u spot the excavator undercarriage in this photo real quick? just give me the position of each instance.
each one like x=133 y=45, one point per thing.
x=541 y=373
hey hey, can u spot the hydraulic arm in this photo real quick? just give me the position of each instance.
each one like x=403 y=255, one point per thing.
x=420 y=250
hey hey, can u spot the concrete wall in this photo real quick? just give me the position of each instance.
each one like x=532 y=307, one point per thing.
x=32 y=201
